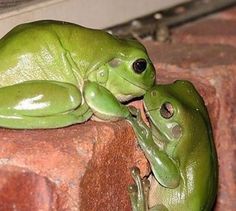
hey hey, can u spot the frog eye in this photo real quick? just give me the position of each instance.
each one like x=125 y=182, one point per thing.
x=139 y=65
x=167 y=110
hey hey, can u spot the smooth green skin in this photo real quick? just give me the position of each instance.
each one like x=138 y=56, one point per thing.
x=49 y=70
x=183 y=160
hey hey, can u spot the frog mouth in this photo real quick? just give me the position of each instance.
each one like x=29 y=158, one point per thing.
x=158 y=135
x=148 y=110
x=152 y=109
x=136 y=85
x=128 y=97
x=140 y=86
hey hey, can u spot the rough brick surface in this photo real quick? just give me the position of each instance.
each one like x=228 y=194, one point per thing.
x=82 y=167
x=22 y=189
x=212 y=68
x=227 y=14
x=215 y=29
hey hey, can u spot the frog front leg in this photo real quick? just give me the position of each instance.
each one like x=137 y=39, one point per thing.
x=103 y=103
x=41 y=104
x=139 y=192
x=163 y=167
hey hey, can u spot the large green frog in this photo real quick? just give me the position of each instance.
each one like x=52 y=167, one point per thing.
x=51 y=71
x=180 y=149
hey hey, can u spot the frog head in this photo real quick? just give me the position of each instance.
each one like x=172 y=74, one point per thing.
x=175 y=111
x=128 y=74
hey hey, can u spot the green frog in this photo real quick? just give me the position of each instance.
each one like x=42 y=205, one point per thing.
x=180 y=148
x=51 y=71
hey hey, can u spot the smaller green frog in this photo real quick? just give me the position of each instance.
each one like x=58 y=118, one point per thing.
x=180 y=149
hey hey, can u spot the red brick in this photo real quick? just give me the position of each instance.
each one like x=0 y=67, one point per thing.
x=83 y=167
x=228 y=14
x=215 y=29
x=22 y=189
x=212 y=68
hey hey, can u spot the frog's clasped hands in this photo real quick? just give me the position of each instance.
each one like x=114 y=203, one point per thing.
x=54 y=74
x=180 y=149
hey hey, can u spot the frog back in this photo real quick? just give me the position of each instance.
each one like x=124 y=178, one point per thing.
x=198 y=184
x=32 y=52
x=196 y=151
x=53 y=50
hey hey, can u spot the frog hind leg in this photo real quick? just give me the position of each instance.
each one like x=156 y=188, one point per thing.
x=41 y=104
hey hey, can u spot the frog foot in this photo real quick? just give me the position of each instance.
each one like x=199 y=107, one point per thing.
x=138 y=191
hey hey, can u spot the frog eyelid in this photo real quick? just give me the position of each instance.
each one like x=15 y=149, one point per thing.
x=115 y=62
